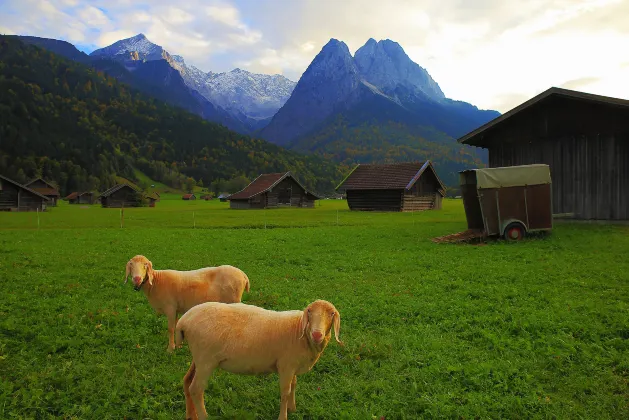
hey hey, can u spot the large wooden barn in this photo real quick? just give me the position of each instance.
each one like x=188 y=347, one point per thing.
x=17 y=197
x=121 y=195
x=412 y=186
x=584 y=138
x=44 y=188
x=272 y=190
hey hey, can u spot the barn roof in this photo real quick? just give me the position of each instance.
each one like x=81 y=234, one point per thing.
x=390 y=176
x=475 y=137
x=24 y=187
x=188 y=195
x=72 y=196
x=118 y=187
x=264 y=183
x=49 y=190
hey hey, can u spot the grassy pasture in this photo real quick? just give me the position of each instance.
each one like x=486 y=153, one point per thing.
x=538 y=329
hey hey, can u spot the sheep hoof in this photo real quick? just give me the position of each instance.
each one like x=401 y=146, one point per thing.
x=170 y=349
x=291 y=408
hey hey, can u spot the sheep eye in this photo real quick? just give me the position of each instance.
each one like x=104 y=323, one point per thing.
x=333 y=313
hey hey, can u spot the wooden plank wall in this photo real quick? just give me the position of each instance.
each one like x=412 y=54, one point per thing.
x=421 y=202
x=380 y=200
x=590 y=174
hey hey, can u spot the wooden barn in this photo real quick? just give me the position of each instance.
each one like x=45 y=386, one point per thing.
x=121 y=195
x=273 y=190
x=17 y=197
x=412 y=186
x=86 y=197
x=584 y=138
x=223 y=197
x=189 y=197
x=152 y=198
x=45 y=188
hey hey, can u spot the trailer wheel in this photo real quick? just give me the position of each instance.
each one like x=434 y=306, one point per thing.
x=514 y=232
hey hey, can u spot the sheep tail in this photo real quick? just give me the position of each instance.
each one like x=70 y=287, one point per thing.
x=246 y=281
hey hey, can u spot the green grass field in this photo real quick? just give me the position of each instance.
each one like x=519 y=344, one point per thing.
x=537 y=329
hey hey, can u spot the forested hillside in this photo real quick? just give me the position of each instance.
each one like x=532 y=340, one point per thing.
x=79 y=127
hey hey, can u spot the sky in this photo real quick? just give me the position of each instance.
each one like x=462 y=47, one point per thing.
x=494 y=54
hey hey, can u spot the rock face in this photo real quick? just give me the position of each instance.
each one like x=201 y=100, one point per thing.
x=249 y=98
x=380 y=84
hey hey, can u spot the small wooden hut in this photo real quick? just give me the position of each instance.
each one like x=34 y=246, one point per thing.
x=152 y=198
x=121 y=195
x=189 y=197
x=86 y=197
x=44 y=188
x=583 y=138
x=411 y=186
x=223 y=197
x=17 y=197
x=273 y=190
x=206 y=197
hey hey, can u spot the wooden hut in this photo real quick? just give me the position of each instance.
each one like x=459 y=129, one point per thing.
x=45 y=188
x=17 y=197
x=189 y=197
x=223 y=197
x=412 y=186
x=152 y=198
x=584 y=138
x=85 y=197
x=206 y=197
x=273 y=190
x=121 y=195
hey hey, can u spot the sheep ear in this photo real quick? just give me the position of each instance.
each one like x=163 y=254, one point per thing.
x=126 y=274
x=337 y=327
x=304 y=322
x=149 y=271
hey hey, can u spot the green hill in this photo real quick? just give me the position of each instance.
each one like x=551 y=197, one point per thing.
x=81 y=128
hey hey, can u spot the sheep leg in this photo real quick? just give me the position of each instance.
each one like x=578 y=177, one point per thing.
x=197 y=387
x=286 y=378
x=191 y=413
x=291 y=401
x=172 y=323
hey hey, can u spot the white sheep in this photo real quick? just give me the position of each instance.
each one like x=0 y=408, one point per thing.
x=172 y=292
x=247 y=339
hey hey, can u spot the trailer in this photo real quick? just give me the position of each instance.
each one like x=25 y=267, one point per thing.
x=507 y=202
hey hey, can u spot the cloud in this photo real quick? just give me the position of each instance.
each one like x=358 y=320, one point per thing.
x=494 y=54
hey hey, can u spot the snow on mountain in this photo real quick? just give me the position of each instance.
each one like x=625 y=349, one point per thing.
x=249 y=97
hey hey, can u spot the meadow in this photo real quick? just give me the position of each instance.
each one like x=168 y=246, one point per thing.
x=536 y=329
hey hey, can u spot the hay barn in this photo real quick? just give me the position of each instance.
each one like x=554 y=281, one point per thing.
x=413 y=186
x=17 y=197
x=45 y=188
x=273 y=190
x=584 y=138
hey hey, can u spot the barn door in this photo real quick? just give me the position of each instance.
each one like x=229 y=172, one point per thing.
x=284 y=195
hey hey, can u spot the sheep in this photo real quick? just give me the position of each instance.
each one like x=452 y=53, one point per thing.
x=172 y=292
x=247 y=339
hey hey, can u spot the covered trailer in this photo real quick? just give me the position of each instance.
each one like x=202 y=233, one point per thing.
x=509 y=202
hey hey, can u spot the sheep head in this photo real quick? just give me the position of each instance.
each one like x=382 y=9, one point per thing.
x=141 y=270
x=317 y=322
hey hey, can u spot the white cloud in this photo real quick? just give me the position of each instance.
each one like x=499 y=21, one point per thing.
x=93 y=17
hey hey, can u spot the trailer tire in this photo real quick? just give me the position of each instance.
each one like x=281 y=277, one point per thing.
x=514 y=232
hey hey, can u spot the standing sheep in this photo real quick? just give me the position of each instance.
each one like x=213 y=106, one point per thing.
x=172 y=292
x=246 y=339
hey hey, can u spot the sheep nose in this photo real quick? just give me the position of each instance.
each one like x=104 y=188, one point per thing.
x=137 y=279
x=317 y=336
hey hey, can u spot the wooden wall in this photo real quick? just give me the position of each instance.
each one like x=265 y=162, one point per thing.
x=590 y=174
x=379 y=200
x=123 y=197
x=14 y=198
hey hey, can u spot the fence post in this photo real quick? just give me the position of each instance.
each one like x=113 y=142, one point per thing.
x=337 y=217
x=37 y=218
x=121 y=217
x=194 y=222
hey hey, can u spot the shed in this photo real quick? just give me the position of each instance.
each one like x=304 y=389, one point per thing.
x=584 y=139
x=223 y=197
x=411 y=186
x=189 y=197
x=17 y=197
x=44 y=188
x=85 y=197
x=152 y=198
x=206 y=197
x=121 y=195
x=273 y=190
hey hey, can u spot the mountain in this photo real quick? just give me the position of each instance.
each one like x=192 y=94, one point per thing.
x=80 y=127
x=248 y=98
x=377 y=106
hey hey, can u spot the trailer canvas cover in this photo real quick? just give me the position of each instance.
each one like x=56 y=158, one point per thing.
x=511 y=176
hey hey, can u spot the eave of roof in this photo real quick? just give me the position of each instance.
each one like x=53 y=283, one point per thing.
x=549 y=92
